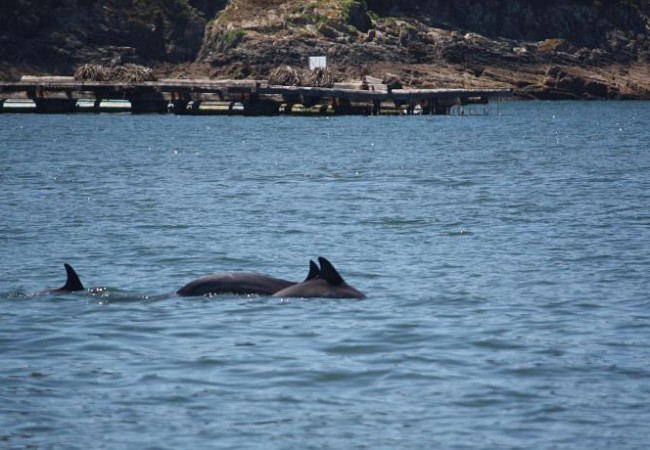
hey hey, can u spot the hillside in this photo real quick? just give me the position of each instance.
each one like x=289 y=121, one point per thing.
x=55 y=36
x=543 y=49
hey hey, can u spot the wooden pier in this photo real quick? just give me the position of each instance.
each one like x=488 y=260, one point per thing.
x=231 y=97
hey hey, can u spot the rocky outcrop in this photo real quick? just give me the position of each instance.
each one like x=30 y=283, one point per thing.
x=585 y=23
x=54 y=36
x=555 y=49
x=549 y=50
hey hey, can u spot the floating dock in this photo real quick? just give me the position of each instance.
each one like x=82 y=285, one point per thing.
x=231 y=97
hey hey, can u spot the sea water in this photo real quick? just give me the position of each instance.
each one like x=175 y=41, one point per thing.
x=506 y=260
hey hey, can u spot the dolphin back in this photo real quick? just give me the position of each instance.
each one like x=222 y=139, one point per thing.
x=314 y=271
x=234 y=283
x=328 y=284
x=72 y=283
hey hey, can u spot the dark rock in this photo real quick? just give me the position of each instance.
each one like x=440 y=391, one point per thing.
x=571 y=83
x=597 y=89
x=67 y=33
x=329 y=32
x=358 y=17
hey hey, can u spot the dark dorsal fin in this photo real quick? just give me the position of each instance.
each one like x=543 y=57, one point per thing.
x=314 y=271
x=73 y=283
x=329 y=273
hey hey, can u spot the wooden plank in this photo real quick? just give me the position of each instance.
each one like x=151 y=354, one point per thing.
x=195 y=89
x=44 y=79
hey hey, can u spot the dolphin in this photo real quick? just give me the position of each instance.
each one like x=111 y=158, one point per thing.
x=72 y=284
x=240 y=283
x=328 y=284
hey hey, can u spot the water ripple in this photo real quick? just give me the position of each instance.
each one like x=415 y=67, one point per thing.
x=504 y=260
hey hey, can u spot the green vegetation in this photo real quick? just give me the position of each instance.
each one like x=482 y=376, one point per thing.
x=184 y=13
x=303 y=14
x=233 y=37
x=346 y=5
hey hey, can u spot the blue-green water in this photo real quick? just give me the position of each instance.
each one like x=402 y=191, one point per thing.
x=505 y=259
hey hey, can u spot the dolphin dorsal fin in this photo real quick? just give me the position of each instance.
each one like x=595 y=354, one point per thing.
x=73 y=283
x=329 y=273
x=314 y=271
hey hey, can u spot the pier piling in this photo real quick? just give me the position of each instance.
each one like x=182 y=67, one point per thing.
x=55 y=105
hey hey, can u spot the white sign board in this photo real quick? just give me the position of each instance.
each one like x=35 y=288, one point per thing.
x=317 y=62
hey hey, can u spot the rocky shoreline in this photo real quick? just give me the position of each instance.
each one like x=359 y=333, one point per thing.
x=421 y=43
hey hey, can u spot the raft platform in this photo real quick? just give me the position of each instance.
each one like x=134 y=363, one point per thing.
x=232 y=97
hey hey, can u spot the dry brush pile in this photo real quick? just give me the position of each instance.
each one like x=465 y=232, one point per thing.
x=285 y=76
x=288 y=76
x=320 y=77
x=128 y=73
